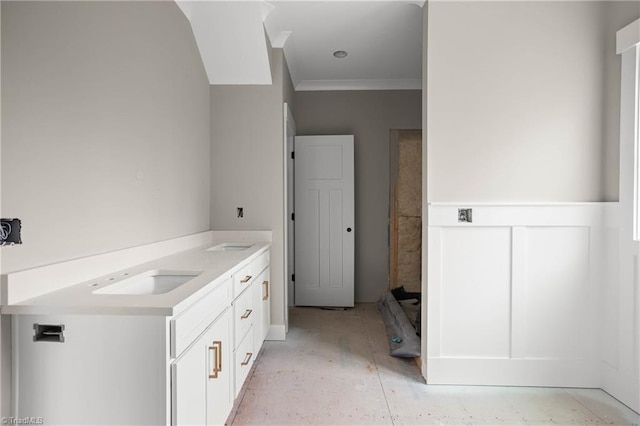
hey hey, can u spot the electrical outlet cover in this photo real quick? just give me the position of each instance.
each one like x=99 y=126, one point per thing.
x=10 y=230
x=464 y=215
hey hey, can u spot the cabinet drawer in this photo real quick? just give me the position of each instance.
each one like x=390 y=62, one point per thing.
x=261 y=262
x=246 y=275
x=244 y=357
x=243 y=278
x=191 y=323
x=243 y=315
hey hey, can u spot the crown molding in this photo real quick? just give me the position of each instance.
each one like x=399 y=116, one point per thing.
x=325 y=85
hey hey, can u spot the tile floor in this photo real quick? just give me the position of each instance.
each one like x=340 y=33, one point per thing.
x=334 y=368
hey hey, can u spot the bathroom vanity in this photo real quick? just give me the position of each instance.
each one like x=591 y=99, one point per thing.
x=170 y=341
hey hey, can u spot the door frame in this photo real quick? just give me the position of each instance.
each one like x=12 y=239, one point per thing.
x=392 y=222
x=289 y=131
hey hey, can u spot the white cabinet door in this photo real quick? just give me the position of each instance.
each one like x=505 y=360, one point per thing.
x=189 y=386
x=219 y=371
x=202 y=378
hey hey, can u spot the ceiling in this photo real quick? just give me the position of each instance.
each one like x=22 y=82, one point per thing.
x=383 y=40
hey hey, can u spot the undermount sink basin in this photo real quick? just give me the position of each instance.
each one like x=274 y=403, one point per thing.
x=231 y=247
x=151 y=282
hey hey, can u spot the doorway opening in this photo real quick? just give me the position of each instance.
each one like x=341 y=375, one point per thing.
x=405 y=226
x=405 y=210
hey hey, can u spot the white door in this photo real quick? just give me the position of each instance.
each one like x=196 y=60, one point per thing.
x=324 y=221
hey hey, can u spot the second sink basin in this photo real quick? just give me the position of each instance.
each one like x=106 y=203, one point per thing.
x=230 y=247
x=151 y=282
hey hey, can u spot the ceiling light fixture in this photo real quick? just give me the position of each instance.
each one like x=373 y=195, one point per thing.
x=340 y=54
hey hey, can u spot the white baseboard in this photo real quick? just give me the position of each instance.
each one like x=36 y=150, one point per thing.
x=277 y=332
x=513 y=372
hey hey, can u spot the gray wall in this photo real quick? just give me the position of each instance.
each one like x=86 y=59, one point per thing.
x=617 y=15
x=515 y=101
x=105 y=137
x=369 y=115
x=288 y=90
x=105 y=131
x=247 y=165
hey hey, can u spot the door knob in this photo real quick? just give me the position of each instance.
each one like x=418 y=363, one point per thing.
x=348 y=229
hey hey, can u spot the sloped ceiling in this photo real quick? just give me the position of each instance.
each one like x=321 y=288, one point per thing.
x=231 y=40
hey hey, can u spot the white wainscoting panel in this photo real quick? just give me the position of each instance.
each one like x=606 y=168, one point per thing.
x=476 y=275
x=514 y=297
x=557 y=293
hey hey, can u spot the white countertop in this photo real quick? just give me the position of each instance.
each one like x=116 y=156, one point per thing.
x=216 y=266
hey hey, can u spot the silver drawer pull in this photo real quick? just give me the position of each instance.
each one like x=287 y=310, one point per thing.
x=246 y=279
x=247 y=313
x=247 y=359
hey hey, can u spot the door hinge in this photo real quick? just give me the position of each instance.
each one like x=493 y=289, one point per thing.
x=293 y=155
x=293 y=277
x=293 y=216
